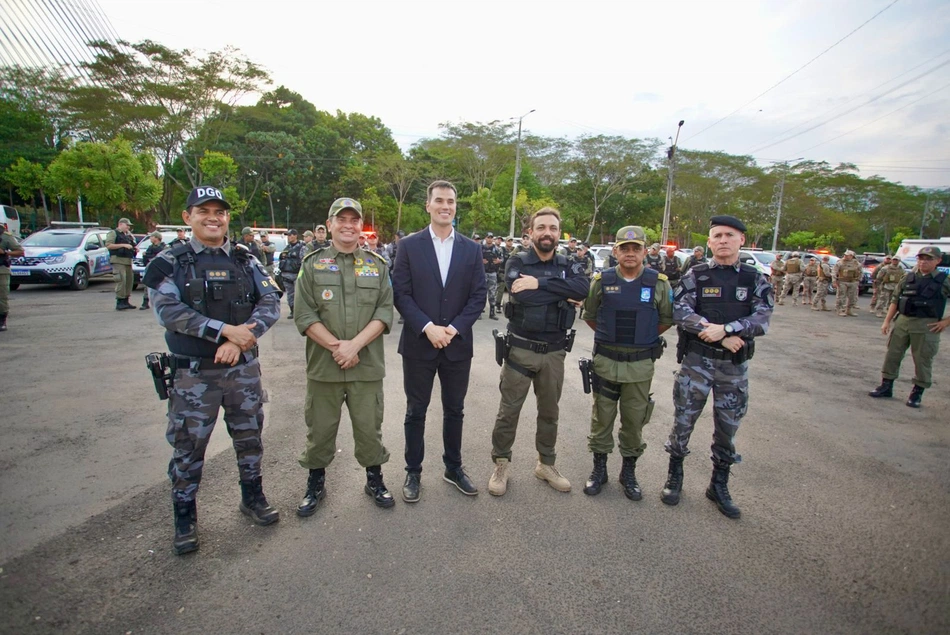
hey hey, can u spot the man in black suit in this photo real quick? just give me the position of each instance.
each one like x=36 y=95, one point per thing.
x=439 y=289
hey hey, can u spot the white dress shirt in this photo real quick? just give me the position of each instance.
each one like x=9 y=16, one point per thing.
x=443 y=253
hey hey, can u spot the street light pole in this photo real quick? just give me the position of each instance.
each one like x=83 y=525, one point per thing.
x=669 y=185
x=781 y=192
x=514 y=191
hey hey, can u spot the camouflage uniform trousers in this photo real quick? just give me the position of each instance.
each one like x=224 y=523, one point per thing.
x=847 y=297
x=884 y=297
x=810 y=284
x=500 y=293
x=821 y=295
x=730 y=386
x=548 y=383
x=290 y=289
x=491 y=279
x=792 y=282
x=635 y=406
x=876 y=297
x=124 y=280
x=778 y=286
x=193 y=406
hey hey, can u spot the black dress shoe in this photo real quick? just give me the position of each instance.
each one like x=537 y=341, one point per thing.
x=460 y=479
x=410 y=491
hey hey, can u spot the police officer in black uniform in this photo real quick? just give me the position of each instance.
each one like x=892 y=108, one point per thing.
x=544 y=288
x=290 y=260
x=215 y=301
x=492 y=258
x=671 y=268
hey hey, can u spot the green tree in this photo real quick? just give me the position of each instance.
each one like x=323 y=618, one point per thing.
x=28 y=179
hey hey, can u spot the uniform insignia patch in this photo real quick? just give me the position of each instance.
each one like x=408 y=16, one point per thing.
x=610 y=288
x=742 y=294
x=333 y=268
x=369 y=261
x=712 y=292
x=327 y=261
x=217 y=275
x=367 y=272
x=646 y=294
x=327 y=294
x=578 y=268
x=358 y=261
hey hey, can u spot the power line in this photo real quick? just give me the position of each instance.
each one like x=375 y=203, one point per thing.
x=787 y=77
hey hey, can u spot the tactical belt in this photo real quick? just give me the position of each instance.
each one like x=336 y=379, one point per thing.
x=713 y=352
x=634 y=356
x=207 y=363
x=538 y=347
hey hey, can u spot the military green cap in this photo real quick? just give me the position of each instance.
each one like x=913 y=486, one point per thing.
x=156 y=235
x=246 y=231
x=631 y=234
x=124 y=220
x=930 y=250
x=341 y=204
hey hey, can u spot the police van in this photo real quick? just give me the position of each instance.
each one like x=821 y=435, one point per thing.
x=10 y=218
x=64 y=254
x=907 y=252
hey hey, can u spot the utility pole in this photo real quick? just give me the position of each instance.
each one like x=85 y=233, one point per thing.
x=924 y=219
x=514 y=191
x=779 y=194
x=671 y=162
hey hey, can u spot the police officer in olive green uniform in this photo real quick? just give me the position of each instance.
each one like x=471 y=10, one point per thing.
x=628 y=307
x=9 y=248
x=344 y=304
x=121 y=245
x=543 y=287
x=919 y=303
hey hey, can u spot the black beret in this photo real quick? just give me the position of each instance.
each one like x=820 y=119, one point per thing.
x=728 y=221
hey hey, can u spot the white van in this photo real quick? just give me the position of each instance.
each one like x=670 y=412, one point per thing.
x=10 y=218
x=907 y=252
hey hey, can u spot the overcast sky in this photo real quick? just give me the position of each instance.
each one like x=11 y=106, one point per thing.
x=595 y=67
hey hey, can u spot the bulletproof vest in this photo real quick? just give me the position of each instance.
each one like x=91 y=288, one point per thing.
x=217 y=285
x=267 y=255
x=778 y=268
x=922 y=296
x=892 y=274
x=822 y=275
x=291 y=259
x=125 y=239
x=671 y=269
x=151 y=252
x=849 y=271
x=653 y=262
x=253 y=248
x=489 y=254
x=555 y=317
x=793 y=265
x=627 y=315
x=722 y=295
x=811 y=269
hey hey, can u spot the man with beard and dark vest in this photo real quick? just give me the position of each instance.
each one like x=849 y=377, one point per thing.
x=121 y=245
x=290 y=260
x=491 y=258
x=719 y=308
x=544 y=288
x=653 y=258
x=919 y=302
x=628 y=307
x=215 y=301
x=671 y=268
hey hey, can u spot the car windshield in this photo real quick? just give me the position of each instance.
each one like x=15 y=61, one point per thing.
x=53 y=239
x=763 y=256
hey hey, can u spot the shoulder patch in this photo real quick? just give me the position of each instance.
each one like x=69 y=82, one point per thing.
x=662 y=276
x=597 y=276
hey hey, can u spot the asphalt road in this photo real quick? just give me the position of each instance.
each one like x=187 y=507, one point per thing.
x=845 y=501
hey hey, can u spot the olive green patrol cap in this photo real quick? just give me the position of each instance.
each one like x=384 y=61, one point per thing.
x=930 y=250
x=631 y=234
x=341 y=204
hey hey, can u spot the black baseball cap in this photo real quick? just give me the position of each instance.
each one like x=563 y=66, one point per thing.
x=291 y=232
x=205 y=193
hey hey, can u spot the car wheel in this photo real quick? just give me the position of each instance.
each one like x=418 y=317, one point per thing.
x=14 y=286
x=80 y=279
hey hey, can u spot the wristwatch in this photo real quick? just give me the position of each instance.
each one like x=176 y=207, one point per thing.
x=730 y=330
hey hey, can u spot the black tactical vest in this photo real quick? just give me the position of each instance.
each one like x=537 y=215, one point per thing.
x=291 y=259
x=922 y=296
x=671 y=269
x=129 y=241
x=722 y=294
x=217 y=285
x=536 y=321
x=627 y=316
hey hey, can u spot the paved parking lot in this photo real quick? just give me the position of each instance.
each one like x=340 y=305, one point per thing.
x=845 y=500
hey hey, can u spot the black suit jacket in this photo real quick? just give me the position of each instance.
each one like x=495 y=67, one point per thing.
x=421 y=298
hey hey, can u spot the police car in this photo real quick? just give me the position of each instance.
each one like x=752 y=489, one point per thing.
x=169 y=233
x=65 y=254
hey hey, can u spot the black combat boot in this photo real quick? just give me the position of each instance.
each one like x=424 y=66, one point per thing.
x=3 y=321
x=628 y=479
x=186 y=527
x=144 y=306
x=122 y=304
x=674 y=482
x=491 y=312
x=915 y=394
x=254 y=503
x=886 y=389
x=718 y=492
x=376 y=488
x=597 y=477
x=316 y=491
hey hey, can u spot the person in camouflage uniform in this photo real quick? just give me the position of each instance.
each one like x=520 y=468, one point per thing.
x=9 y=248
x=215 y=301
x=155 y=247
x=290 y=261
x=344 y=305
x=876 y=285
x=919 y=304
x=809 y=281
x=778 y=276
x=719 y=309
x=887 y=277
x=698 y=258
x=491 y=258
x=824 y=279
x=629 y=308
x=793 y=278
x=846 y=274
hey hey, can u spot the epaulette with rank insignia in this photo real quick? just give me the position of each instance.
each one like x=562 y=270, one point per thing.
x=662 y=276
x=597 y=276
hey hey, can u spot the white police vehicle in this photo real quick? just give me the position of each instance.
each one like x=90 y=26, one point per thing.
x=169 y=233
x=65 y=254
